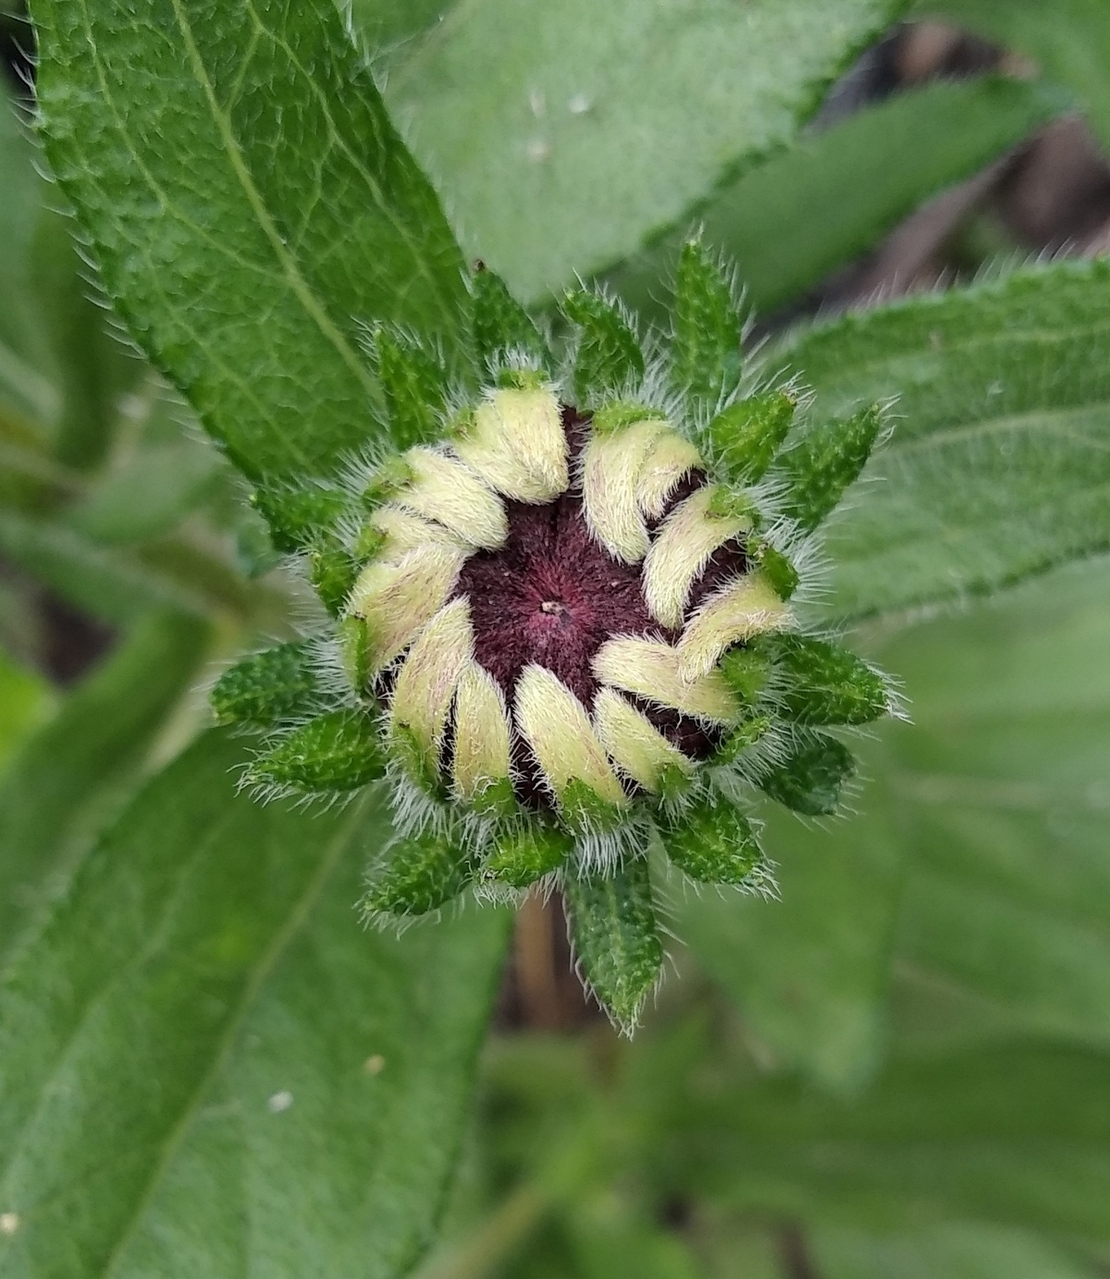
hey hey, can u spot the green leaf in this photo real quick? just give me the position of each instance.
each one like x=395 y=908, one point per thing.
x=998 y=465
x=247 y=289
x=1002 y=796
x=53 y=791
x=521 y=857
x=500 y=323
x=707 y=328
x=602 y=125
x=956 y=1250
x=26 y=700
x=616 y=938
x=825 y=462
x=266 y=687
x=414 y=388
x=1070 y=43
x=120 y=584
x=810 y=970
x=823 y=683
x=864 y=175
x=1016 y=1135
x=233 y=1073
x=417 y=875
x=713 y=843
x=745 y=437
x=338 y=751
x=811 y=779
x=607 y=356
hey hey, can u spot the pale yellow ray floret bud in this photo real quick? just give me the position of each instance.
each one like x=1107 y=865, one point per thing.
x=515 y=441
x=397 y=600
x=557 y=728
x=743 y=608
x=611 y=467
x=651 y=669
x=482 y=733
x=404 y=531
x=426 y=684
x=448 y=491
x=680 y=550
x=672 y=457
x=634 y=743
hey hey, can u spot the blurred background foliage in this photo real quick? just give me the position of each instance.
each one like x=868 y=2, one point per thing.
x=902 y=1068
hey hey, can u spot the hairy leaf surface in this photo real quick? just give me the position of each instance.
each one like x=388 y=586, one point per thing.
x=563 y=134
x=234 y=1075
x=251 y=206
x=1000 y=462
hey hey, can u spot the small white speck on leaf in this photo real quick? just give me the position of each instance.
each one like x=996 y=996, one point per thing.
x=374 y=1065
x=538 y=150
x=579 y=104
x=280 y=1101
x=9 y=1222
x=537 y=100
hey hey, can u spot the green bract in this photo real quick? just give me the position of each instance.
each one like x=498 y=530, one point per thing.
x=567 y=617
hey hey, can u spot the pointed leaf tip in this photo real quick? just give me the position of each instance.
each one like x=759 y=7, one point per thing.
x=265 y=688
x=708 y=328
x=811 y=780
x=501 y=324
x=822 y=465
x=609 y=354
x=616 y=937
x=339 y=751
x=417 y=875
x=713 y=843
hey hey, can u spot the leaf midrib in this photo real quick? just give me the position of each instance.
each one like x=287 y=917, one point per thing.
x=265 y=965
x=297 y=282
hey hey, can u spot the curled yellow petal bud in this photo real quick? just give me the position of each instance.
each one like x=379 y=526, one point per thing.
x=651 y=669
x=556 y=726
x=403 y=532
x=680 y=551
x=611 y=467
x=447 y=491
x=482 y=732
x=633 y=742
x=672 y=457
x=398 y=600
x=516 y=443
x=744 y=607
x=426 y=684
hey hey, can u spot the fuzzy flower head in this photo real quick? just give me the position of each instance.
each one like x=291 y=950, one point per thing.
x=567 y=619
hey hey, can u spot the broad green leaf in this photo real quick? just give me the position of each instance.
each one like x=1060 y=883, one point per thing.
x=564 y=134
x=117 y=583
x=1002 y=801
x=999 y=465
x=54 y=789
x=1068 y=40
x=209 y=1068
x=1017 y=1135
x=248 y=287
x=960 y=1250
x=810 y=970
x=864 y=176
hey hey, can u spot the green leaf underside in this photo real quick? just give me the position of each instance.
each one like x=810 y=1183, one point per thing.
x=865 y=175
x=51 y=789
x=974 y=876
x=234 y=1074
x=616 y=938
x=999 y=465
x=602 y=125
x=247 y=286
